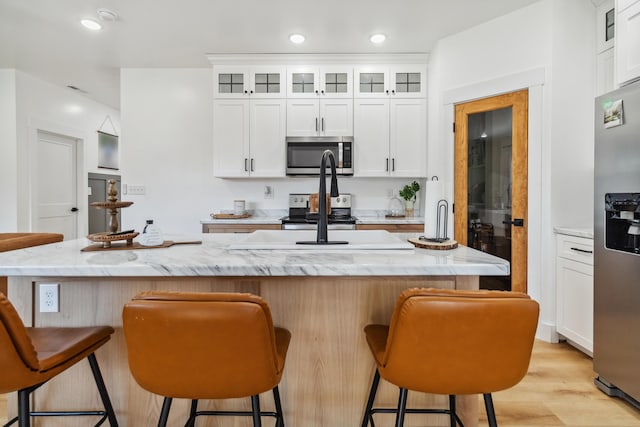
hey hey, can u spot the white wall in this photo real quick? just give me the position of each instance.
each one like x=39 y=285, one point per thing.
x=555 y=39
x=167 y=120
x=8 y=154
x=39 y=105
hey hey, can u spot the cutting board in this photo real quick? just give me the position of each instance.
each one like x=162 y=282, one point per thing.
x=314 y=201
x=136 y=246
x=425 y=244
x=229 y=216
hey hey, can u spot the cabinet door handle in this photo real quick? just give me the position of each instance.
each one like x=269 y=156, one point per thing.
x=387 y=91
x=393 y=165
x=316 y=124
x=245 y=92
x=584 y=251
x=251 y=91
x=316 y=92
x=252 y=168
x=387 y=167
x=323 y=124
x=74 y=209
x=245 y=165
x=322 y=91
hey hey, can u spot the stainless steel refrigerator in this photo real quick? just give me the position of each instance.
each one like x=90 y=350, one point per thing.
x=616 y=351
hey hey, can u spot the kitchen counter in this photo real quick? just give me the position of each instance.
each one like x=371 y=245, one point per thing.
x=324 y=297
x=213 y=258
x=385 y=220
x=576 y=232
x=250 y=220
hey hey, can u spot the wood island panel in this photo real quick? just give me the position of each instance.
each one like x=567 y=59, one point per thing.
x=328 y=370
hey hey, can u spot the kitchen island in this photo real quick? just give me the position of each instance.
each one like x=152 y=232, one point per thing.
x=324 y=297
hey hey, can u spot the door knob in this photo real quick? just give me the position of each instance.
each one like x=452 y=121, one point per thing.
x=518 y=222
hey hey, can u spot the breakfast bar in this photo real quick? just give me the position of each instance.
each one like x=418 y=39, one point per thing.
x=324 y=296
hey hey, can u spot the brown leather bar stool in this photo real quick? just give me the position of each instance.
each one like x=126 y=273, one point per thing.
x=29 y=357
x=452 y=342
x=205 y=346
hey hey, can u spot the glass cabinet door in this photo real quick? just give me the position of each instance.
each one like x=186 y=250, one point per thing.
x=336 y=82
x=230 y=82
x=268 y=82
x=303 y=82
x=408 y=81
x=371 y=82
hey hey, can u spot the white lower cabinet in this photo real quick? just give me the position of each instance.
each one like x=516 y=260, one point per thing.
x=249 y=137
x=574 y=290
x=390 y=137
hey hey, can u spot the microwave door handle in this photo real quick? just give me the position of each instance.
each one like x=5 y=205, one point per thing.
x=340 y=151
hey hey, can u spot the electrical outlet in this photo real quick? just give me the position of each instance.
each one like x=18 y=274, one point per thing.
x=137 y=190
x=49 y=298
x=268 y=192
x=390 y=192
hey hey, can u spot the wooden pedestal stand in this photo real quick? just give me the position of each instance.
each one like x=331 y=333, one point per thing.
x=113 y=205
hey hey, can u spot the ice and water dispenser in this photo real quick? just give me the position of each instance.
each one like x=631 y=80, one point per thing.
x=622 y=222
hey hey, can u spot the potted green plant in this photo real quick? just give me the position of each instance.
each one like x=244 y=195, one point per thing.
x=408 y=193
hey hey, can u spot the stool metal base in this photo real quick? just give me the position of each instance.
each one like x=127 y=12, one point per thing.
x=256 y=413
x=24 y=412
x=401 y=410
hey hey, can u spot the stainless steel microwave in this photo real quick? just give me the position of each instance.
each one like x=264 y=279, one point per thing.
x=305 y=152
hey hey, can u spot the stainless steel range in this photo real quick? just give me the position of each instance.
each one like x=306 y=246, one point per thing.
x=300 y=218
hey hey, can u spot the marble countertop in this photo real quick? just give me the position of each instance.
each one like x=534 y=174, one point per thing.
x=576 y=232
x=250 y=220
x=214 y=258
x=360 y=219
x=385 y=220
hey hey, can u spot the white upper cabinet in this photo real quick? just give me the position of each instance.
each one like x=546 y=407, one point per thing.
x=400 y=81
x=319 y=117
x=243 y=82
x=390 y=137
x=249 y=137
x=323 y=82
x=627 y=41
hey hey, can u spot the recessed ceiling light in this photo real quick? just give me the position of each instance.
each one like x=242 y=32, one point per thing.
x=91 y=24
x=377 y=38
x=107 y=15
x=296 y=38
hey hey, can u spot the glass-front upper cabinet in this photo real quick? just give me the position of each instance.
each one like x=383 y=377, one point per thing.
x=402 y=81
x=243 y=82
x=311 y=82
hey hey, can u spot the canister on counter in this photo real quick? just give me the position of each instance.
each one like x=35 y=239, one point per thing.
x=239 y=207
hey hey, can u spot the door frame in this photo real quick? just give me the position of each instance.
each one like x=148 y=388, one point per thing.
x=39 y=125
x=519 y=102
x=540 y=273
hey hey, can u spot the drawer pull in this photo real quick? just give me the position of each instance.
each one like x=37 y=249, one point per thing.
x=582 y=250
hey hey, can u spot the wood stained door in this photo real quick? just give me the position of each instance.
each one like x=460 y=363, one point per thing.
x=490 y=182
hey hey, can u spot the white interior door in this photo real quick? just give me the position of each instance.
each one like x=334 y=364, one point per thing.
x=56 y=186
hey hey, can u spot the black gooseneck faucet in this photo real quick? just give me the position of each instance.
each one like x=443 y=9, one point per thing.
x=323 y=216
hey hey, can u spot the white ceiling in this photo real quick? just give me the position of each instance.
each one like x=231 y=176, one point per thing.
x=44 y=37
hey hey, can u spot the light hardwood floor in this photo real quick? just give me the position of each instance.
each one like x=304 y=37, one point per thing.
x=557 y=391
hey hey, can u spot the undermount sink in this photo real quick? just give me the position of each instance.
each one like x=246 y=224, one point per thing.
x=357 y=239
